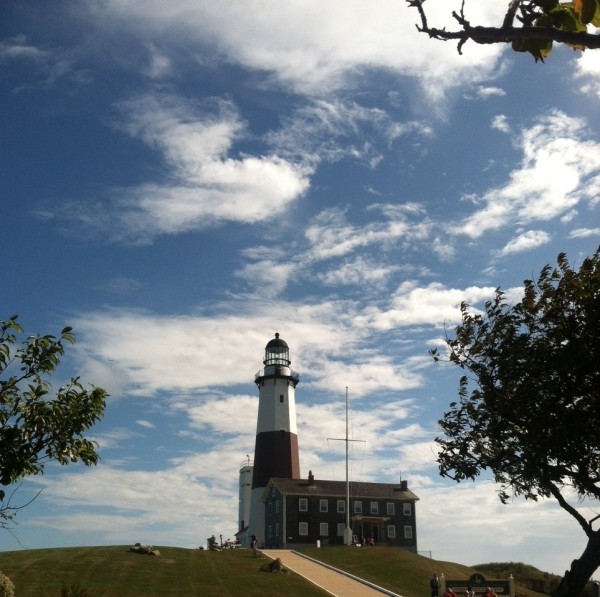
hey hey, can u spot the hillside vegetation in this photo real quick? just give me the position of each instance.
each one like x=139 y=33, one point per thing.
x=117 y=572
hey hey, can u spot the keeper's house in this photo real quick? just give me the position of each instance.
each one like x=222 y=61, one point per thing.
x=303 y=511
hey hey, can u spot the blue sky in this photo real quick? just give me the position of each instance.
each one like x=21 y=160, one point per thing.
x=180 y=180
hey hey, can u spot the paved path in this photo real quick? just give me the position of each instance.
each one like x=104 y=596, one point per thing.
x=335 y=583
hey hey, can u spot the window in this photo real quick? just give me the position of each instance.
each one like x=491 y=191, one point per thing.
x=408 y=532
x=390 y=508
x=323 y=506
x=303 y=505
x=341 y=506
x=303 y=529
x=276 y=529
x=276 y=506
x=281 y=398
x=406 y=509
x=358 y=507
x=340 y=529
x=323 y=529
x=374 y=508
x=269 y=531
x=391 y=531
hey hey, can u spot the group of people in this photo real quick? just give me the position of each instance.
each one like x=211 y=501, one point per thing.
x=434 y=585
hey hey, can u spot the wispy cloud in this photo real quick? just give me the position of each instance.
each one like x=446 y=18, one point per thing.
x=559 y=161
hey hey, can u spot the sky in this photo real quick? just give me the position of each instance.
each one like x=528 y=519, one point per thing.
x=180 y=180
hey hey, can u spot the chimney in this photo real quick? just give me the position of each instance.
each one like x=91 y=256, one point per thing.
x=311 y=478
x=403 y=485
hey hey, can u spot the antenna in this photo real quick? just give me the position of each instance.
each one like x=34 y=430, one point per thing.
x=347 y=530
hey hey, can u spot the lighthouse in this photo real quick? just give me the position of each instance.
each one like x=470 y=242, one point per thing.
x=276 y=448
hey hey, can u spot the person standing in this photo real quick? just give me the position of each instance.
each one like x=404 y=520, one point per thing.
x=434 y=585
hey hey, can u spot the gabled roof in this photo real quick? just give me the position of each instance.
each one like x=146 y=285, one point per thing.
x=318 y=487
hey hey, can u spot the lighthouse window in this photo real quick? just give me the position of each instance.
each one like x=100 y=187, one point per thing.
x=281 y=398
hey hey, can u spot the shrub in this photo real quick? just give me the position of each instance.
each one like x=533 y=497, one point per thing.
x=7 y=588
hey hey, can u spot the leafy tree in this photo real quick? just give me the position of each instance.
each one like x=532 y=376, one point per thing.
x=529 y=401
x=36 y=428
x=541 y=23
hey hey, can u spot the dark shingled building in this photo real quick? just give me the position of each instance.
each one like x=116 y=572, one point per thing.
x=303 y=511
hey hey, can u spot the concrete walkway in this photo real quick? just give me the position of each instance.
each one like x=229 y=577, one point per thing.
x=334 y=582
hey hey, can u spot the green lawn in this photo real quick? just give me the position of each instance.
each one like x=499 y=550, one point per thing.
x=395 y=569
x=117 y=572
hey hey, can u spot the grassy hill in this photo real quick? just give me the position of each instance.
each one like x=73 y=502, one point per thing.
x=117 y=572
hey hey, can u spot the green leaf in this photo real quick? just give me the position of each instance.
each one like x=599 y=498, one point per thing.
x=596 y=18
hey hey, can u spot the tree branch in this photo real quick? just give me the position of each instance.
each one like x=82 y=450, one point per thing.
x=585 y=525
x=507 y=33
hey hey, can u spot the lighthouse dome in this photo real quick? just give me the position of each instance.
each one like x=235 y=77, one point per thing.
x=277 y=342
x=277 y=352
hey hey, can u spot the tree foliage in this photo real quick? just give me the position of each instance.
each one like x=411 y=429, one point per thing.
x=34 y=427
x=540 y=24
x=529 y=401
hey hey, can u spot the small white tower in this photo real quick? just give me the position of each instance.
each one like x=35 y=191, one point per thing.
x=245 y=494
x=276 y=448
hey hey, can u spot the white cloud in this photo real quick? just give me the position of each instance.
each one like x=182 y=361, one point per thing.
x=559 y=160
x=204 y=185
x=484 y=93
x=584 y=232
x=329 y=130
x=311 y=46
x=588 y=72
x=411 y=304
x=17 y=48
x=525 y=241
x=500 y=123
x=359 y=271
x=330 y=235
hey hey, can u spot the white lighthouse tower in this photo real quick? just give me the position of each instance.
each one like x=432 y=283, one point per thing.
x=276 y=448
